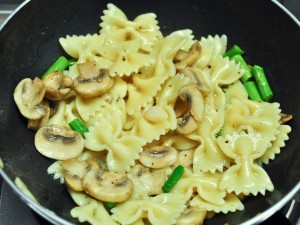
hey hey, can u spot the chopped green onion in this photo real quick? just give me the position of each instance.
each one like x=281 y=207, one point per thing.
x=235 y=50
x=247 y=75
x=109 y=205
x=59 y=65
x=72 y=62
x=173 y=179
x=252 y=91
x=78 y=126
x=262 y=83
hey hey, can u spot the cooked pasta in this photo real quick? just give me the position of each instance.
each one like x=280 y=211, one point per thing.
x=166 y=98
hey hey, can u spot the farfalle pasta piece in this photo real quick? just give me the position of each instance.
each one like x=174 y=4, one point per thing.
x=126 y=57
x=277 y=144
x=208 y=155
x=154 y=122
x=231 y=204
x=148 y=81
x=170 y=89
x=90 y=210
x=206 y=187
x=85 y=48
x=118 y=28
x=245 y=176
x=224 y=71
x=263 y=117
x=210 y=48
x=235 y=91
x=57 y=171
x=105 y=134
x=161 y=209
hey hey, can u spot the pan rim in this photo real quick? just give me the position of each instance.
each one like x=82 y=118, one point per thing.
x=57 y=220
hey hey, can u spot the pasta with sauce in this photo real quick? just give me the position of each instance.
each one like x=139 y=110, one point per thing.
x=166 y=99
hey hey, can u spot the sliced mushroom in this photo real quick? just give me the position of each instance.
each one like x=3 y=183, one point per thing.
x=150 y=181
x=196 y=78
x=92 y=82
x=183 y=59
x=59 y=86
x=284 y=118
x=74 y=171
x=36 y=124
x=185 y=158
x=158 y=156
x=58 y=142
x=186 y=124
x=194 y=98
x=107 y=186
x=156 y=114
x=192 y=216
x=28 y=95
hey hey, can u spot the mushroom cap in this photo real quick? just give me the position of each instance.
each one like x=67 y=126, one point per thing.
x=187 y=124
x=58 y=85
x=92 y=82
x=36 y=124
x=188 y=58
x=107 y=186
x=197 y=78
x=152 y=182
x=58 y=142
x=74 y=171
x=185 y=158
x=194 y=98
x=158 y=156
x=156 y=114
x=28 y=95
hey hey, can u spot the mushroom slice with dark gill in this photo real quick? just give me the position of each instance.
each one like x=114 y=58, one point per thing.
x=192 y=95
x=195 y=101
x=107 y=186
x=196 y=78
x=59 y=86
x=284 y=118
x=36 y=124
x=58 y=142
x=158 y=156
x=92 y=82
x=183 y=59
x=186 y=124
x=149 y=180
x=74 y=171
x=28 y=95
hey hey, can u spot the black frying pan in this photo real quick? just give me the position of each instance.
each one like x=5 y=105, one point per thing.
x=29 y=44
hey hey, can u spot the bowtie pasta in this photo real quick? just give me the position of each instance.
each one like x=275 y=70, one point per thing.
x=150 y=103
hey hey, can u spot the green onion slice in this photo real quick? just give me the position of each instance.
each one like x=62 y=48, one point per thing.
x=173 y=179
x=60 y=64
x=78 y=126
x=109 y=205
x=262 y=83
x=235 y=50
x=252 y=90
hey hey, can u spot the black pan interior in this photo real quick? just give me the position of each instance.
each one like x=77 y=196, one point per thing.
x=29 y=44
